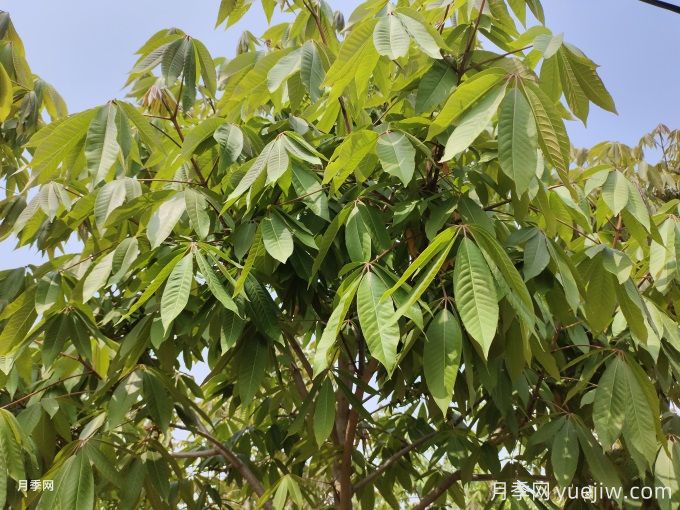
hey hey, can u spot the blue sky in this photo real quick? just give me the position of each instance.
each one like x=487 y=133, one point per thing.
x=85 y=49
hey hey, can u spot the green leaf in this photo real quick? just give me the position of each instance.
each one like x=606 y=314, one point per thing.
x=475 y=294
x=261 y=305
x=277 y=239
x=110 y=197
x=517 y=293
x=434 y=87
x=375 y=316
x=101 y=145
x=277 y=159
x=441 y=357
x=73 y=486
x=390 y=38
x=308 y=188
x=433 y=248
x=536 y=256
x=156 y=399
x=230 y=138
x=588 y=80
x=464 y=97
x=425 y=281
x=616 y=191
x=600 y=466
x=252 y=367
x=164 y=219
x=6 y=95
x=174 y=60
x=98 y=276
x=324 y=412
x=473 y=123
x=552 y=135
x=19 y=315
x=207 y=65
x=357 y=237
x=611 y=400
x=48 y=291
x=349 y=154
x=177 y=289
x=424 y=36
x=155 y=284
x=214 y=283
x=196 y=206
x=565 y=453
x=397 y=155
x=283 y=69
x=517 y=140
x=600 y=301
x=639 y=427
x=198 y=135
x=333 y=326
x=312 y=73
x=58 y=141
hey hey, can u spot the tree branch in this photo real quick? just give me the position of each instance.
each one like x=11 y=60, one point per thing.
x=663 y=5
x=235 y=462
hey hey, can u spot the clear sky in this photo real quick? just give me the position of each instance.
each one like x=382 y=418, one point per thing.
x=85 y=48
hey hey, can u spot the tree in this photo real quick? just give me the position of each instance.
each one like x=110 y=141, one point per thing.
x=404 y=281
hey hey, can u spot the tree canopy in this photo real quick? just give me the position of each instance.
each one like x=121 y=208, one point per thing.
x=374 y=231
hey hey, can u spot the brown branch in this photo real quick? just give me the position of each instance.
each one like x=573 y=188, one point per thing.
x=29 y=395
x=617 y=231
x=468 y=48
x=236 y=463
x=195 y=454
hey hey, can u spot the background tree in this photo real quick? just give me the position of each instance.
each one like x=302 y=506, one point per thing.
x=405 y=283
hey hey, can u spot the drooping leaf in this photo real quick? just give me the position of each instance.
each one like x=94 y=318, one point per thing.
x=375 y=316
x=324 y=412
x=441 y=357
x=475 y=294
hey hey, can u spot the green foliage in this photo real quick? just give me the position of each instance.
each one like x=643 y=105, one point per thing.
x=375 y=234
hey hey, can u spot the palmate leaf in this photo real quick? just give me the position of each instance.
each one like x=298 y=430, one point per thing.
x=376 y=319
x=58 y=142
x=475 y=294
x=517 y=140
